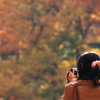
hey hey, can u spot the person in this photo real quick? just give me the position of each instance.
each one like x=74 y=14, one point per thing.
x=88 y=82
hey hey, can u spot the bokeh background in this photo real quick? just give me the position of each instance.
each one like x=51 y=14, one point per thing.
x=40 y=40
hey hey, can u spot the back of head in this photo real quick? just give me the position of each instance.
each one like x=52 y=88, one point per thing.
x=86 y=72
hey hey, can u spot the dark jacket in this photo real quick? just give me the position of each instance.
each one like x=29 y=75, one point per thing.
x=86 y=90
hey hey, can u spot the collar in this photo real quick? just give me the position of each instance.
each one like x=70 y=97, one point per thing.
x=85 y=82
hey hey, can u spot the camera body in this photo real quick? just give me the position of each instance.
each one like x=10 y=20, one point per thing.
x=74 y=71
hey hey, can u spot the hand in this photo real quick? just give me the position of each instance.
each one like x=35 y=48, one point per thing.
x=71 y=77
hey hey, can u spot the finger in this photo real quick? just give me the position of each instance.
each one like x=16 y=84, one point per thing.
x=71 y=73
x=67 y=72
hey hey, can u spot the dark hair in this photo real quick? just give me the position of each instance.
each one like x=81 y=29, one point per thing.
x=86 y=72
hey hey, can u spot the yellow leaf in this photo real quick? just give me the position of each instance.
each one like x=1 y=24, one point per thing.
x=64 y=63
x=93 y=16
x=42 y=86
x=96 y=50
x=57 y=25
x=61 y=46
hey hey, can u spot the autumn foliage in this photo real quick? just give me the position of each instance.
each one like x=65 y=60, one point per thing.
x=40 y=40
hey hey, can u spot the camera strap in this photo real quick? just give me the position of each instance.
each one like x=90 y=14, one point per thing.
x=75 y=88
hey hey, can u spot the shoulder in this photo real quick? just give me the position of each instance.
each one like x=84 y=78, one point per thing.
x=69 y=86
x=68 y=89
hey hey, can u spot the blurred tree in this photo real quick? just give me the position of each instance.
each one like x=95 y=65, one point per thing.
x=48 y=35
x=74 y=31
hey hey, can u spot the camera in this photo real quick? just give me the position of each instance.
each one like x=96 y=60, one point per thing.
x=74 y=71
